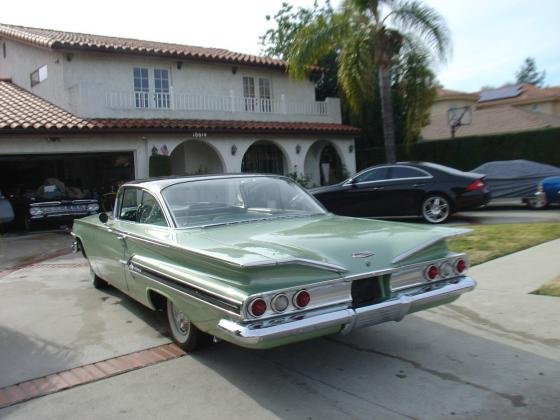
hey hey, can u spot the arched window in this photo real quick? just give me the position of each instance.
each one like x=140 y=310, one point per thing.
x=263 y=157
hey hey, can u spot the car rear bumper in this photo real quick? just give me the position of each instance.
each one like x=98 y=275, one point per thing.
x=281 y=331
x=472 y=200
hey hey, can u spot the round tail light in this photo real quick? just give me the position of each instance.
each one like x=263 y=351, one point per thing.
x=431 y=272
x=279 y=303
x=257 y=307
x=460 y=266
x=301 y=299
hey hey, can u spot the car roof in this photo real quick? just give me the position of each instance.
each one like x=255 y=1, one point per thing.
x=159 y=183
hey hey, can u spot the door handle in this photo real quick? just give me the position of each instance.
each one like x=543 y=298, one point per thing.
x=418 y=185
x=121 y=237
x=377 y=188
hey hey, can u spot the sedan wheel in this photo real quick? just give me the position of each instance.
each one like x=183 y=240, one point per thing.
x=436 y=209
x=97 y=281
x=184 y=332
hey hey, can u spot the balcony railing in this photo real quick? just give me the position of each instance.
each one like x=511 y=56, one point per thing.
x=208 y=103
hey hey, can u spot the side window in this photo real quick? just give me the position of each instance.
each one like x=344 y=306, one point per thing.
x=141 y=87
x=377 y=174
x=398 y=172
x=150 y=212
x=129 y=206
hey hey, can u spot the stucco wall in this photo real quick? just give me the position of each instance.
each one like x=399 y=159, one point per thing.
x=547 y=108
x=440 y=107
x=21 y=60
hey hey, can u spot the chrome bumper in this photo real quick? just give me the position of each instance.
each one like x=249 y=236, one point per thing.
x=347 y=319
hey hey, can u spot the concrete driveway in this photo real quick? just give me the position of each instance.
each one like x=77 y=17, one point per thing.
x=495 y=353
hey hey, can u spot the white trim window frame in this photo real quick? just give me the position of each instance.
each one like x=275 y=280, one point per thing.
x=249 y=93
x=141 y=84
x=162 y=97
x=265 y=94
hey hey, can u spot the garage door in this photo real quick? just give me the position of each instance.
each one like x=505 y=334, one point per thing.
x=90 y=174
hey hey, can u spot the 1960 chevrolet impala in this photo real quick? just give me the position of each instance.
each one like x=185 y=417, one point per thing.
x=256 y=261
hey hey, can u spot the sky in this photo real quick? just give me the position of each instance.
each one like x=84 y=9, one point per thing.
x=491 y=39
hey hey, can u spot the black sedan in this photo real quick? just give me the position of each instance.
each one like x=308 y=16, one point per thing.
x=405 y=189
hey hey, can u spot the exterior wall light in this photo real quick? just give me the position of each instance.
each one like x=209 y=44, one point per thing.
x=179 y=65
x=350 y=148
x=234 y=69
x=233 y=150
x=298 y=149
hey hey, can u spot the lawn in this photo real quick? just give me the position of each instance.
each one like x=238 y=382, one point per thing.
x=487 y=242
x=552 y=288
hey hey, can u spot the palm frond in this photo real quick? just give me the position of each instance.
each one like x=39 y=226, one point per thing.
x=424 y=22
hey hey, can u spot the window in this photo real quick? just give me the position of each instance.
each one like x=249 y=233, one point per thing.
x=265 y=95
x=141 y=207
x=141 y=87
x=39 y=75
x=376 y=174
x=161 y=84
x=4 y=49
x=249 y=93
x=149 y=211
x=398 y=172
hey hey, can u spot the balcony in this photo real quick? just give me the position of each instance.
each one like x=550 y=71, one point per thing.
x=91 y=102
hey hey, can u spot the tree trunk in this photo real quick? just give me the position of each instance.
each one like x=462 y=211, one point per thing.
x=387 y=113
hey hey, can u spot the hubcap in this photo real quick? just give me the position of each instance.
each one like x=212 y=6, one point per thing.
x=436 y=209
x=181 y=322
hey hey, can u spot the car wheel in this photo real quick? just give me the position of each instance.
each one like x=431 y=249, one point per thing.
x=28 y=224
x=97 y=281
x=436 y=209
x=537 y=203
x=184 y=332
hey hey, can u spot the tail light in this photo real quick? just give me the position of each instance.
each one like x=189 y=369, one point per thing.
x=257 y=307
x=476 y=185
x=431 y=272
x=460 y=266
x=301 y=299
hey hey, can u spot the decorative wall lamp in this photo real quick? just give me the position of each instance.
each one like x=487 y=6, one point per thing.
x=350 y=148
x=233 y=150
x=234 y=70
x=179 y=65
x=298 y=149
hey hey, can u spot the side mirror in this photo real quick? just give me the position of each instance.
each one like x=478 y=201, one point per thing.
x=103 y=217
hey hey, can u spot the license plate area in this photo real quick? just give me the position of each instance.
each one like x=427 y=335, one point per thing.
x=366 y=291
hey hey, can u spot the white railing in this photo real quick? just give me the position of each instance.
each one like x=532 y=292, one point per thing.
x=209 y=103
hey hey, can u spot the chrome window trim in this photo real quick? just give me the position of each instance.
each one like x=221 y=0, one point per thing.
x=349 y=181
x=157 y=197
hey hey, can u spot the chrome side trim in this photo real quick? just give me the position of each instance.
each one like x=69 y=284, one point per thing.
x=254 y=333
x=427 y=244
x=215 y=300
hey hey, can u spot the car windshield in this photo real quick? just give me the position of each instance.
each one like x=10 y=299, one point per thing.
x=220 y=201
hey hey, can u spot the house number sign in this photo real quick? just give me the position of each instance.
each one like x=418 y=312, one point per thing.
x=199 y=135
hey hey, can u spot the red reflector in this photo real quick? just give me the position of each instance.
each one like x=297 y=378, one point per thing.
x=432 y=272
x=460 y=266
x=257 y=307
x=476 y=185
x=301 y=299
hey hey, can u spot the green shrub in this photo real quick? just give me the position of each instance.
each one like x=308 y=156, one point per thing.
x=467 y=153
x=160 y=165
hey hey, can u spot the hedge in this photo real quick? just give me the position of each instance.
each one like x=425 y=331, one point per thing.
x=467 y=153
x=160 y=165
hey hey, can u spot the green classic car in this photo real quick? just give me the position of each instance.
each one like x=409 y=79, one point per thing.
x=257 y=261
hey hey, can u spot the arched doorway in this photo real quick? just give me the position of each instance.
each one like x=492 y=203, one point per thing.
x=195 y=157
x=264 y=157
x=323 y=165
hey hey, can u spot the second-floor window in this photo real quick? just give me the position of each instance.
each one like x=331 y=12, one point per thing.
x=159 y=97
x=262 y=103
x=161 y=84
x=141 y=87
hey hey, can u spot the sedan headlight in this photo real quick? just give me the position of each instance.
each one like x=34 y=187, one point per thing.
x=93 y=207
x=35 y=211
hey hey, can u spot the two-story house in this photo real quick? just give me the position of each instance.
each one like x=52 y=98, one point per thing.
x=92 y=109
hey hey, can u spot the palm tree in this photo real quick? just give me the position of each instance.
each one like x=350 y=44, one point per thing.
x=368 y=35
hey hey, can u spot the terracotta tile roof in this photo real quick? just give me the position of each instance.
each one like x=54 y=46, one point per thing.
x=447 y=94
x=21 y=110
x=529 y=93
x=73 y=41
x=503 y=119
x=224 y=126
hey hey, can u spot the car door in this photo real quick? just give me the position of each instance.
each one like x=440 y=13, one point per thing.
x=364 y=195
x=149 y=219
x=404 y=189
x=111 y=259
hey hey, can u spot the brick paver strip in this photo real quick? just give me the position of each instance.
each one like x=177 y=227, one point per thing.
x=70 y=378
